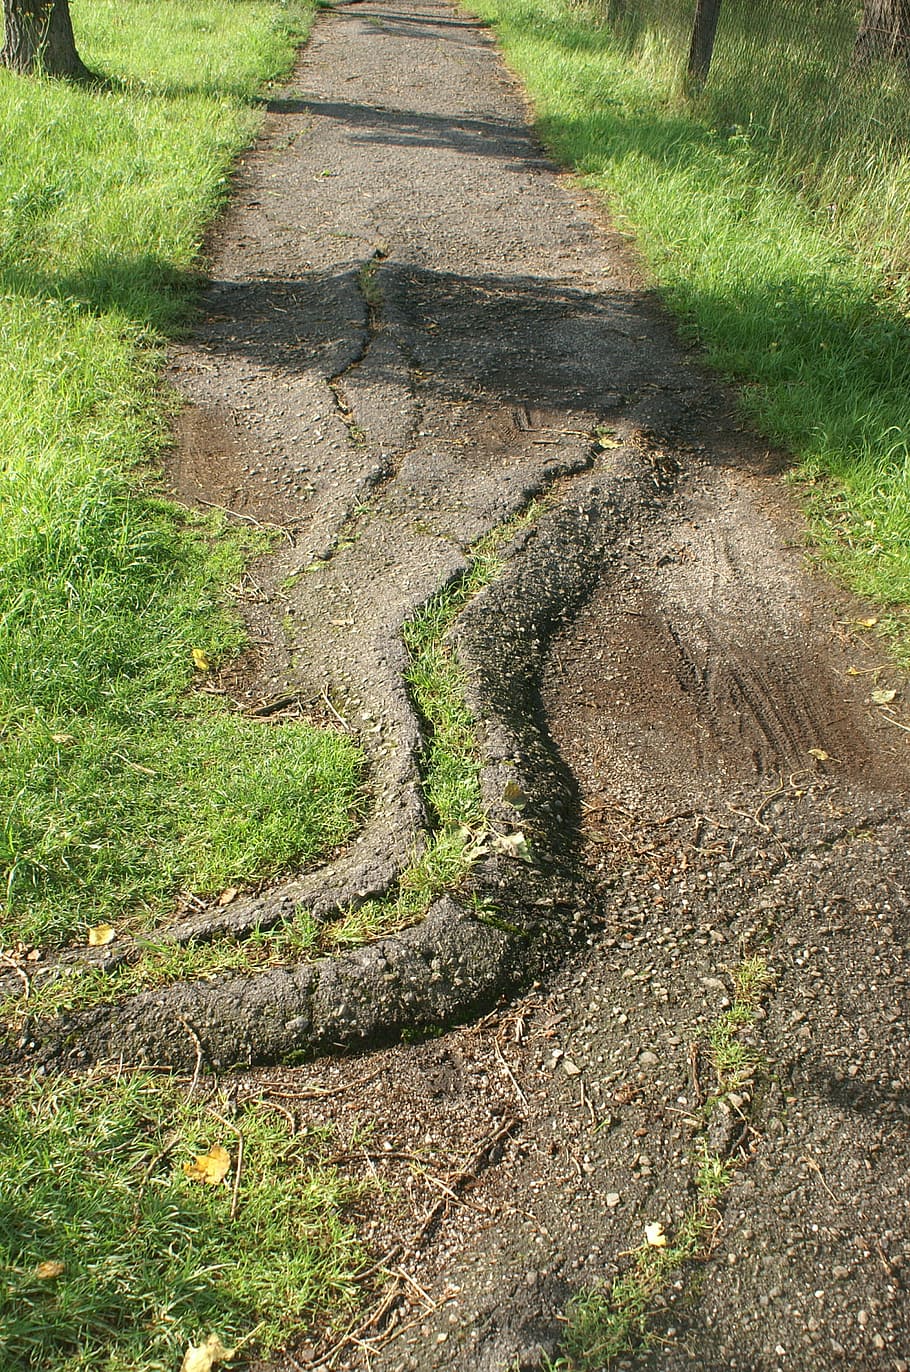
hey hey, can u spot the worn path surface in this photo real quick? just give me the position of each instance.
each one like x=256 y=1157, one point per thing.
x=414 y=326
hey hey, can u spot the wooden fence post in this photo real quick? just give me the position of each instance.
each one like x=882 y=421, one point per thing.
x=704 y=30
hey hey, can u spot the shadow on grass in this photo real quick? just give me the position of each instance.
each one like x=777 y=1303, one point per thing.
x=819 y=361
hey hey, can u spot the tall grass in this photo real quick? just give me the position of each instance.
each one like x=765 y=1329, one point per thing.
x=778 y=234
x=118 y=784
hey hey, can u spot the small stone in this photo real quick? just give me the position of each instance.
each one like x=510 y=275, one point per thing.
x=648 y=1059
x=613 y=1199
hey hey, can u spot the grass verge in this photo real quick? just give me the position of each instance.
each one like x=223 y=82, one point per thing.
x=119 y=785
x=458 y=838
x=114 y=1259
x=807 y=307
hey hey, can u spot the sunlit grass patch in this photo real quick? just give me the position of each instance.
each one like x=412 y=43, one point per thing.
x=119 y=785
x=113 y=1258
x=761 y=238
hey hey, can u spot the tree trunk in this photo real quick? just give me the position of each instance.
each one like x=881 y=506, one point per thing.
x=39 y=39
x=884 y=32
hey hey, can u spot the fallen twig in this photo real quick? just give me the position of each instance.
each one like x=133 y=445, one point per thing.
x=319 y=1092
x=199 y=1054
x=239 y=1166
x=810 y=1162
x=469 y=1173
x=508 y=1071
x=329 y=706
x=889 y=719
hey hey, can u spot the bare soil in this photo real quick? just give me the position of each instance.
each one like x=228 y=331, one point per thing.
x=414 y=325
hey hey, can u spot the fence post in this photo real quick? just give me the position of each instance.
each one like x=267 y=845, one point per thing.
x=707 y=13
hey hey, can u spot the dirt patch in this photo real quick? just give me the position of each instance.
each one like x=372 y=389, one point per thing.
x=414 y=327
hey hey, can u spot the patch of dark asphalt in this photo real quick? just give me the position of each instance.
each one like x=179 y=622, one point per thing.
x=414 y=326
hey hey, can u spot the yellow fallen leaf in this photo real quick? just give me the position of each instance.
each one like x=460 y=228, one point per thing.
x=201 y=661
x=46 y=1271
x=62 y=738
x=513 y=795
x=100 y=934
x=605 y=441
x=211 y=1167
x=882 y=697
x=819 y=754
x=203 y=1357
x=227 y=896
x=655 y=1236
x=869 y=623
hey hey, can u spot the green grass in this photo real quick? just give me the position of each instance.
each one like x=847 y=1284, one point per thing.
x=603 y=1323
x=735 y=1061
x=458 y=836
x=119 y=785
x=780 y=239
x=94 y=1180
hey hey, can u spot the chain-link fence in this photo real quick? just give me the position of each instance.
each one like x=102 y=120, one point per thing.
x=822 y=86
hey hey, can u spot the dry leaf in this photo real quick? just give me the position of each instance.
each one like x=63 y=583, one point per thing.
x=511 y=845
x=204 y=1357
x=819 y=754
x=869 y=623
x=655 y=1236
x=514 y=795
x=100 y=934
x=63 y=738
x=46 y=1271
x=211 y=1167
x=882 y=697
x=201 y=661
x=227 y=896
